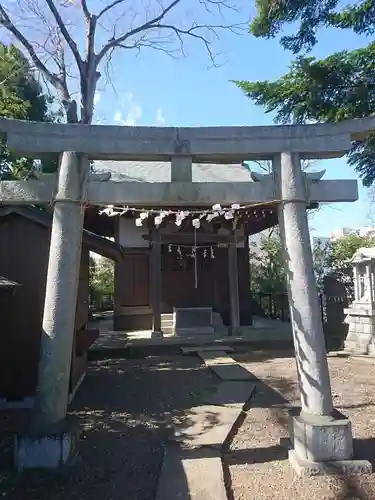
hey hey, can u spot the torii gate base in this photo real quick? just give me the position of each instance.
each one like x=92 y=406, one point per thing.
x=321 y=436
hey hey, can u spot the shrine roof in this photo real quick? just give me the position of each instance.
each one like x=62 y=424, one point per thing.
x=158 y=171
x=96 y=243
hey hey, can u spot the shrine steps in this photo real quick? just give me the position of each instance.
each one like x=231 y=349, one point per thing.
x=167 y=322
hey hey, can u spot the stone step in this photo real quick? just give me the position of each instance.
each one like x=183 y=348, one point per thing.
x=166 y=322
x=195 y=348
x=232 y=393
x=191 y=474
x=168 y=316
x=225 y=367
x=206 y=425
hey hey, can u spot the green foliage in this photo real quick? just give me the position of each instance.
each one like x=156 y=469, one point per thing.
x=272 y=15
x=268 y=275
x=339 y=87
x=322 y=256
x=267 y=265
x=344 y=248
x=21 y=97
x=101 y=281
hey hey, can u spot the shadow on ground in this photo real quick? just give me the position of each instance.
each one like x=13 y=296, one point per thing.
x=276 y=395
x=126 y=408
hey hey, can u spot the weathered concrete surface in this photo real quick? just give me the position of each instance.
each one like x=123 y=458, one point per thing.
x=202 y=348
x=361 y=333
x=181 y=169
x=225 y=367
x=311 y=358
x=231 y=394
x=60 y=302
x=206 y=425
x=192 y=475
x=321 y=439
x=217 y=144
x=139 y=194
x=54 y=449
x=340 y=467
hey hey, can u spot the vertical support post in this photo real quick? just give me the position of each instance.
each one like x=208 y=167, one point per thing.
x=181 y=169
x=248 y=271
x=309 y=341
x=369 y=282
x=356 y=283
x=61 y=292
x=233 y=287
x=156 y=283
x=320 y=433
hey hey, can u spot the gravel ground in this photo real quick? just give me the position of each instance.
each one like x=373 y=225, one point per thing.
x=125 y=408
x=257 y=466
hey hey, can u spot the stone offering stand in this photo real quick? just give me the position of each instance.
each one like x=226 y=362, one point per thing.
x=361 y=313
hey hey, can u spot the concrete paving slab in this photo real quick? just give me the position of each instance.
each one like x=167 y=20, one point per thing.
x=232 y=393
x=224 y=366
x=185 y=476
x=206 y=425
x=203 y=348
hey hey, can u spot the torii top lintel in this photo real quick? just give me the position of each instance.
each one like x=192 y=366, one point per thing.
x=203 y=144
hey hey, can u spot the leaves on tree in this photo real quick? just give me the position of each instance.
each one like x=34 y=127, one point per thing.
x=339 y=87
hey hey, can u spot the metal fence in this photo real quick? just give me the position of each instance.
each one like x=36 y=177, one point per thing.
x=100 y=303
x=276 y=306
x=332 y=307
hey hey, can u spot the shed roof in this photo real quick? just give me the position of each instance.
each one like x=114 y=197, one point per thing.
x=159 y=171
x=95 y=243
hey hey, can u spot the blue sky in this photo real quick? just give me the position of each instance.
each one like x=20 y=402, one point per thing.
x=152 y=88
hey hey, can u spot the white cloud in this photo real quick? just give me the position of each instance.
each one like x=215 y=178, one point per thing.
x=159 y=116
x=117 y=116
x=131 y=118
x=96 y=98
x=128 y=96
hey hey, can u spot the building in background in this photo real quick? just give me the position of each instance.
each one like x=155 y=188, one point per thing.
x=340 y=233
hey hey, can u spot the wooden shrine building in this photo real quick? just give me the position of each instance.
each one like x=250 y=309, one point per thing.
x=179 y=265
x=25 y=235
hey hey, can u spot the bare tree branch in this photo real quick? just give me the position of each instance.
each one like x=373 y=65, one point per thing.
x=51 y=42
x=86 y=11
x=143 y=27
x=108 y=7
x=69 y=40
x=55 y=80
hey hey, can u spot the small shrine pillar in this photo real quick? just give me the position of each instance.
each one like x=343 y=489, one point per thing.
x=156 y=283
x=234 y=300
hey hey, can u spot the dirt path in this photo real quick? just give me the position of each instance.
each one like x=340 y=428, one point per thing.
x=125 y=408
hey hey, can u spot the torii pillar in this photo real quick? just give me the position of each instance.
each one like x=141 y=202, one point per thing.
x=51 y=441
x=321 y=435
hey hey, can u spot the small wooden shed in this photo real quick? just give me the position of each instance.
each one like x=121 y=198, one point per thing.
x=25 y=237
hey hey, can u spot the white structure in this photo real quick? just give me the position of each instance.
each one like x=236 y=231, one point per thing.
x=346 y=231
x=361 y=314
x=340 y=233
x=367 y=231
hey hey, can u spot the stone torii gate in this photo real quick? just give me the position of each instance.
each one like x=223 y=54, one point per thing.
x=320 y=433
